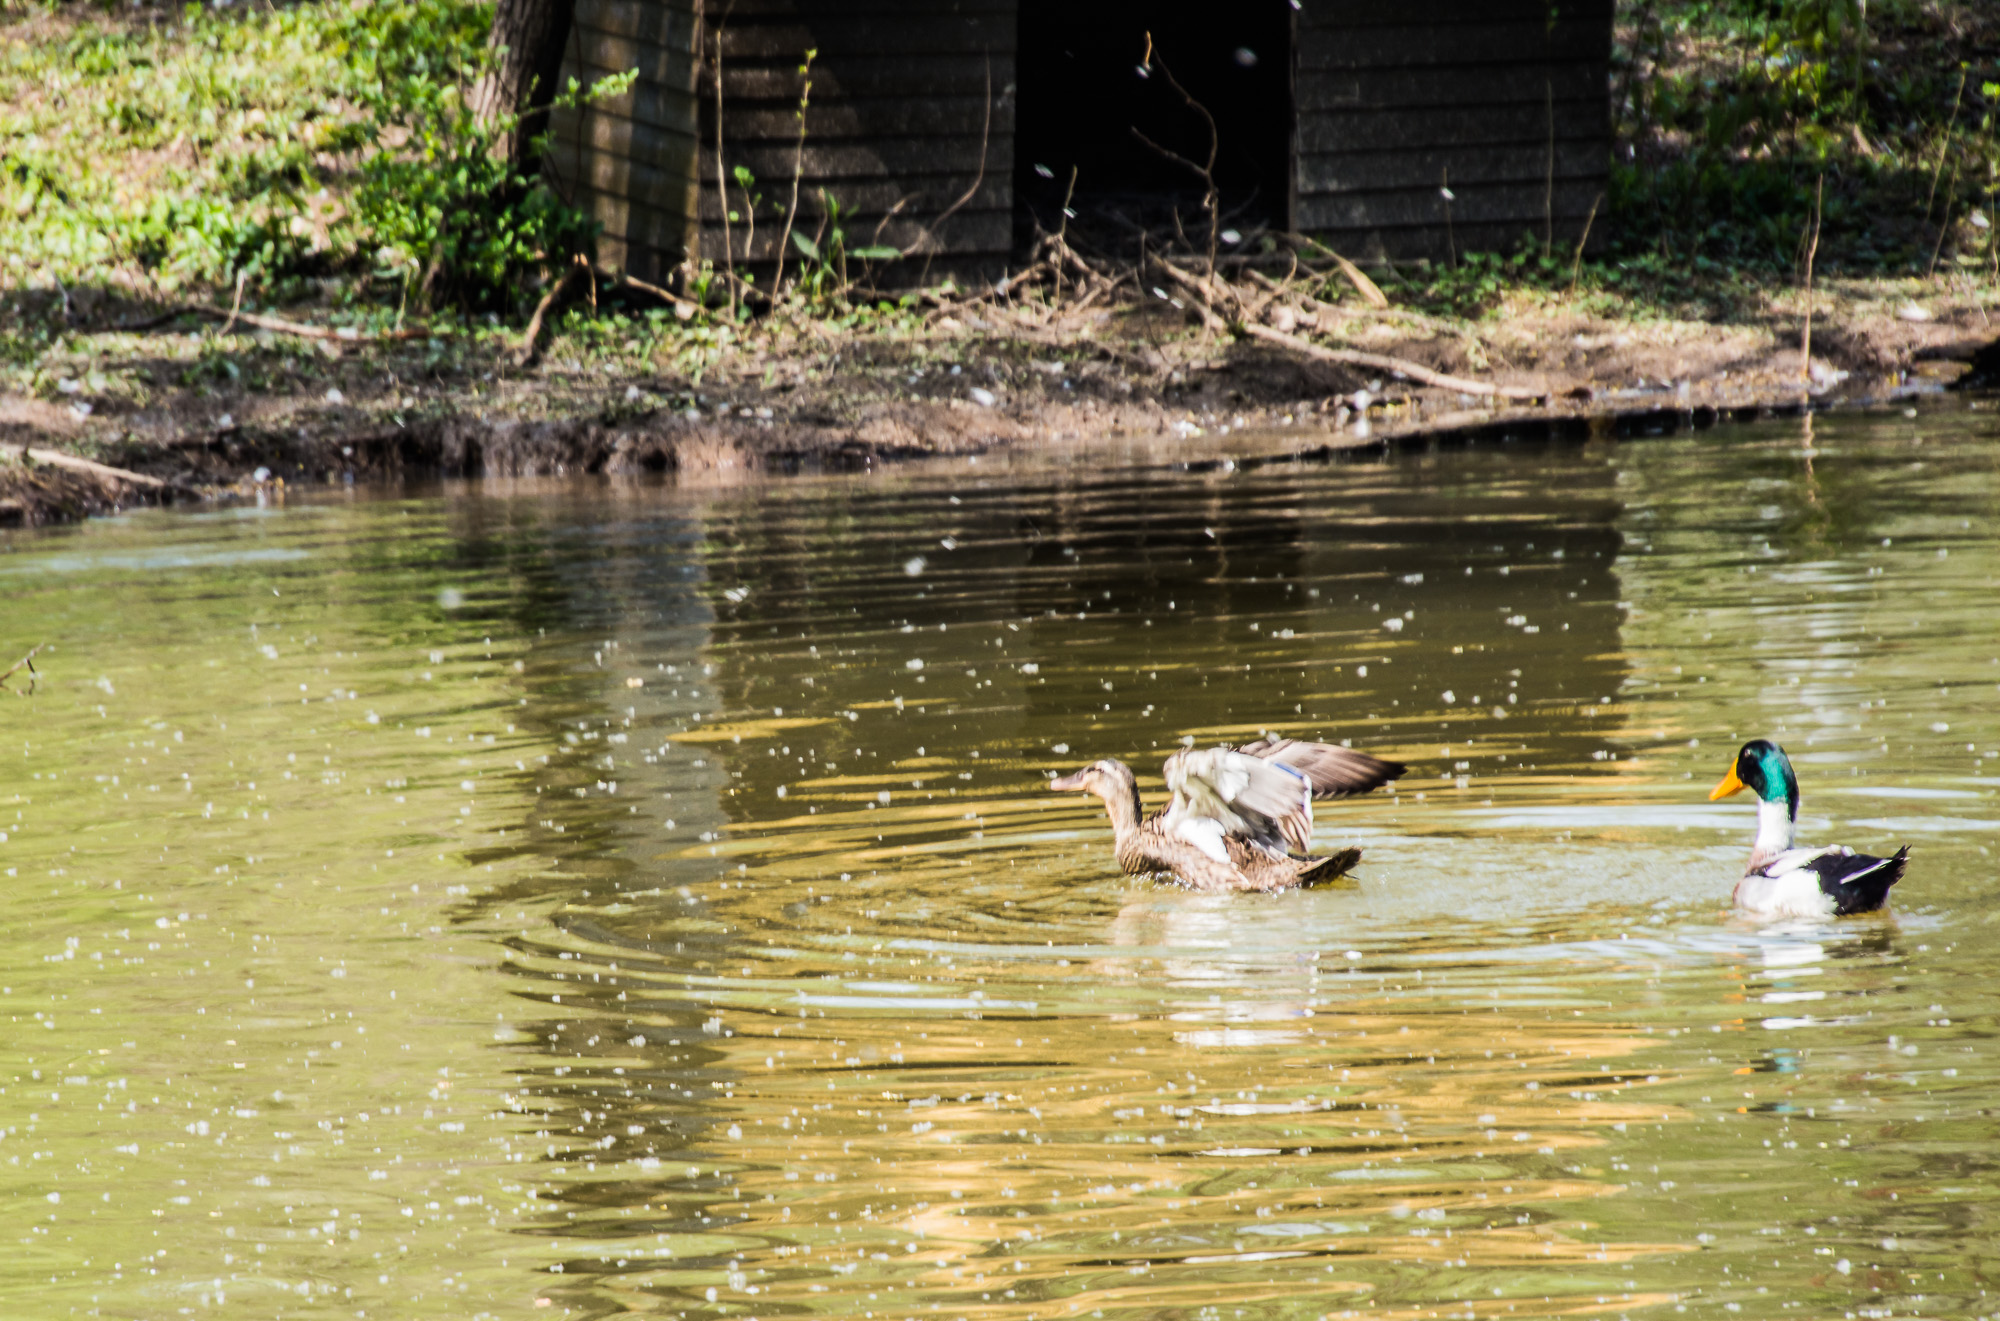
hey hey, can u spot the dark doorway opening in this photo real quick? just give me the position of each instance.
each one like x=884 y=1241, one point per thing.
x=1083 y=100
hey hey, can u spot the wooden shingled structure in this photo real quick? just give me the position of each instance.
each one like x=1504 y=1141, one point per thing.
x=1506 y=104
x=948 y=128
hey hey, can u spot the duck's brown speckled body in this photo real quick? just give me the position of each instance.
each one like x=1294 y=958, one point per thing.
x=1240 y=818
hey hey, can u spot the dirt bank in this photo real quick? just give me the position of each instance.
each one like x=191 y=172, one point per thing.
x=190 y=415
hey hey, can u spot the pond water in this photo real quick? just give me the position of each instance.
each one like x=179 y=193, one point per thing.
x=581 y=900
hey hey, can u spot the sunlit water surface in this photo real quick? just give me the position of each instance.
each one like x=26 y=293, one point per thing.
x=588 y=900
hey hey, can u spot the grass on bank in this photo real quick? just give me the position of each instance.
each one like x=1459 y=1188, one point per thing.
x=319 y=155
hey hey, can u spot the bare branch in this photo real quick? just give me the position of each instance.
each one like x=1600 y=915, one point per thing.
x=340 y=333
x=28 y=661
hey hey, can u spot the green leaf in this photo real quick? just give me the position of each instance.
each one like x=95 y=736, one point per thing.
x=876 y=254
x=805 y=245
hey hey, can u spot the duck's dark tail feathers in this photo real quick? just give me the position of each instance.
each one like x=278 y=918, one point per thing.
x=1330 y=868
x=1858 y=883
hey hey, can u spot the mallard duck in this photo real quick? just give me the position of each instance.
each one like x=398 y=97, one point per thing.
x=1782 y=881
x=1240 y=819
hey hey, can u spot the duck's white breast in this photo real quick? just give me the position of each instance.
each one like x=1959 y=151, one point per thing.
x=1793 y=894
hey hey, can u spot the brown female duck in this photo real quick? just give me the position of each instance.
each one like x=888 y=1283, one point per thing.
x=1240 y=818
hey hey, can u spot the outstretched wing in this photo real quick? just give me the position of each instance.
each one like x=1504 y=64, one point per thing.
x=1333 y=771
x=1263 y=803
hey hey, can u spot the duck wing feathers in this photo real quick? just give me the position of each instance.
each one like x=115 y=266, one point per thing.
x=1846 y=881
x=1333 y=771
x=1233 y=795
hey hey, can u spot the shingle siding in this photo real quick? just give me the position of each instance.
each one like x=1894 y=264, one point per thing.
x=912 y=117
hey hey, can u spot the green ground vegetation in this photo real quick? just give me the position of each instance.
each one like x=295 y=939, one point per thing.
x=1733 y=113
x=315 y=150
x=320 y=153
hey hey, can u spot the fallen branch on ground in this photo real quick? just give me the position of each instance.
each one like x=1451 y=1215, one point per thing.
x=1350 y=357
x=57 y=459
x=526 y=352
x=1382 y=362
x=665 y=295
x=344 y=334
x=1201 y=289
x=1364 y=286
x=1367 y=288
x=1436 y=325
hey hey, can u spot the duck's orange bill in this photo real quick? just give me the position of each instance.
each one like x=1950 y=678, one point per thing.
x=1730 y=785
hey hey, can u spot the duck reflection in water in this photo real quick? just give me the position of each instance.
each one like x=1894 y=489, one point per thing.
x=1240 y=818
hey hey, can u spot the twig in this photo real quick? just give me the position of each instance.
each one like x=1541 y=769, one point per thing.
x=27 y=660
x=1576 y=266
x=1062 y=229
x=1273 y=290
x=798 y=168
x=524 y=354
x=1944 y=146
x=985 y=134
x=1624 y=90
x=722 y=177
x=1444 y=191
x=1812 y=249
x=1203 y=289
x=1371 y=293
x=875 y=236
x=668 y=295
x=1210 y=196
x=1475 y=348
x=1944 y=223
x=1549 y=193
x=1032 y=271
x=235 y=306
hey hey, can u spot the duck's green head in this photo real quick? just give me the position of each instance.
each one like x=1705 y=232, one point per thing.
x=1763 y=768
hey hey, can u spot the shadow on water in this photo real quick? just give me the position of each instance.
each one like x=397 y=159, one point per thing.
x=604 y=900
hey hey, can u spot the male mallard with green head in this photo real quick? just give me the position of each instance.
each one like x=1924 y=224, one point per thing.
x=1783 y=881
x=1240 y=818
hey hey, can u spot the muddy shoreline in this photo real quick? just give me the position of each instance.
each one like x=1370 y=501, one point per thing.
x=830 y=403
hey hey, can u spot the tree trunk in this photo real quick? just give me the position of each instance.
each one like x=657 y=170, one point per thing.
x=527 y=44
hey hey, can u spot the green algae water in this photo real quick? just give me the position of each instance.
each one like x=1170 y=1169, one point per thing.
x=591 y=900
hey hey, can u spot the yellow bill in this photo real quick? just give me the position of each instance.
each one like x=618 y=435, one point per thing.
x=1730 y=785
